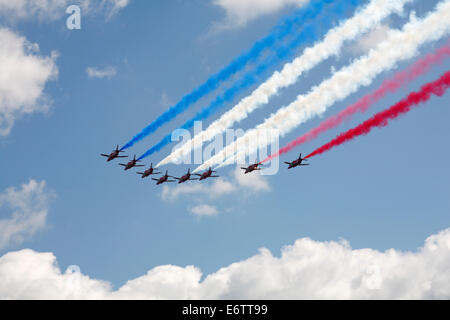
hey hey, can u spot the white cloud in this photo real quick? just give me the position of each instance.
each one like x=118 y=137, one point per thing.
x=371 y=39
x=114 y=6
x=307 y=269
x=198 y=192
x=26 y=274
x=24 y=74
x=107 y=72
x=253 y=181
x=240 y=12
x=212 y=189
x=204 y=210
x=24 y=9
x=29 y=206
x=50 y=10
x=221 y=187
x=239 y=183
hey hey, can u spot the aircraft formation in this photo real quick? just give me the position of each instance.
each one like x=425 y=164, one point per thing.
x=188 y=176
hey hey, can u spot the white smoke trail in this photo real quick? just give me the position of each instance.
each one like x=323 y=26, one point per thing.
x=364 y=20
x=398 y=45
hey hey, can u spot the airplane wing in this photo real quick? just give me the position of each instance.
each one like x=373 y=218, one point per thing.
x=122 y=157
x=139 y=173
x=105 y=155
x=170 y=180
x=289 y=163
x=214 y=176
x=244 y=168
x=197 y=174
x=175 y=177
x=122 y=164
x=155 y=179
x=193 y=179
x=304 y=164
x=139 y=165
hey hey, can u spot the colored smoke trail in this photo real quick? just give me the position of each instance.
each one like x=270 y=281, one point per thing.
x=365 y=19
x=391 y=85
x=382 y=119
x=309 y=34
x=398 y=45
x=284 y=29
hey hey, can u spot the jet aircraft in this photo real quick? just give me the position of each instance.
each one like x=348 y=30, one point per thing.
x=164 y=178
x=131 y=164
x=206 y=174
x=186 y=177
x=148 y=172
x=114 y=154
x=252 y=167
x=297 y=162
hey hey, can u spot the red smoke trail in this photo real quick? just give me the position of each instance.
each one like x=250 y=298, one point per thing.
x=382 y=118
x=390 y=85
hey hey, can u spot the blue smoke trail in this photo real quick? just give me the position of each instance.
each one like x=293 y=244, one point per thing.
x=308 y=35
x=283 y=29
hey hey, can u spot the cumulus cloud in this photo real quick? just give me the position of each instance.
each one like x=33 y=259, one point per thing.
x=252 y=182
x=214 y=188
x=204 y=210
x=27 y=274
x=371 y=39
x=307 y=269
x=50 y=10
x=29 y=205
x=107 y=72
x=24 y=74
x=240 y=12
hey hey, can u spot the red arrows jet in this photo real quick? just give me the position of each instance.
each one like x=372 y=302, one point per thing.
x=297 y=162
x=114 y=154
x=252 y=167
x=185 y=178
x=164 y=178
x=131 y=164
x=148 y=172
x=206 y=174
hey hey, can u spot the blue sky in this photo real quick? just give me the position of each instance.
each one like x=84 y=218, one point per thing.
x=385 y=190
